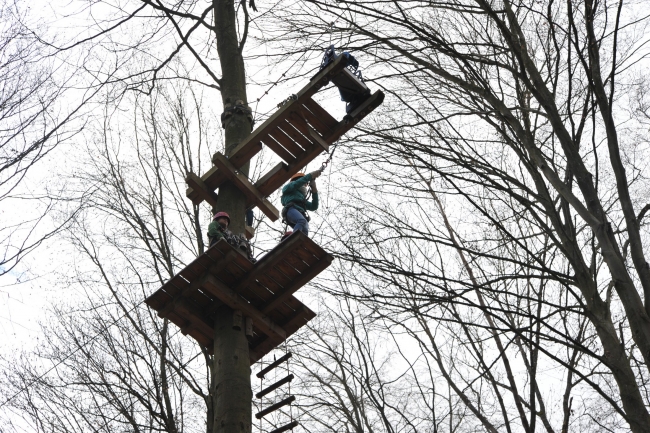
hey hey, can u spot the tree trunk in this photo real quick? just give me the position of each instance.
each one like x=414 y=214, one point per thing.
x=233 y=395
x=232 y=376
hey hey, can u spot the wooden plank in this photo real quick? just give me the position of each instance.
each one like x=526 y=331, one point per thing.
x=356 y=116
x=323 y=77
x=300 y=123
x=269 y=260
x=315 y=122
x=238 y=157
x=297 y=263
x=306 y=256
x=295 y=134
x=274 y=280
x=194 y=286
x=246 y=187
x=318 y=139
x=157 y=299
x=279 y=277
x=346 y=80
x=234 y=301
x=287 y=270
x=276 y=176
x=303 y=316
x=314 y=248
x=184 y=309
x=244 y=155
x=201 y=189
x=297 y=284
x=278 y=149
x=250 y=232
x=272 y=183
x=212 y=179
x=175 y=285
x=286 y=141
x=322 y=114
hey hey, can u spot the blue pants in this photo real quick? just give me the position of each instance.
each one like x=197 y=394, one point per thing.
x=297 y=221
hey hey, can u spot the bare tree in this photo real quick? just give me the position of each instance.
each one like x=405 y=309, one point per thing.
x=107 y=362
x=496 y=211
x=35 y=119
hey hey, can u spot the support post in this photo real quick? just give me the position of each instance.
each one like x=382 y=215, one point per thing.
x=232 y=400
x=232 y=393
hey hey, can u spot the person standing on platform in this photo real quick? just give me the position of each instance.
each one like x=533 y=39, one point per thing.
x=295 y=201
x=218 y=229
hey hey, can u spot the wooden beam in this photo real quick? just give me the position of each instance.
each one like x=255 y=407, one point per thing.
x=186 y=311
x=318 y=139
x=301 y=316
x=270 y=260
x=196 y=284
x=367 y=107
x=236 y=302
x=297 y=284
x=281 y=174
x=199 y=188
x=250 y=232
x=276 y=176
x=245 y=186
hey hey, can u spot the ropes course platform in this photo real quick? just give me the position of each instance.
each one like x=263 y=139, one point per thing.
x=262 y=291
x=298 y=132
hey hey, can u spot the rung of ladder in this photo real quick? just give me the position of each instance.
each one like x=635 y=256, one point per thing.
x=275 y=386
x=275 y=407
x=274 y=365
x=284 y=428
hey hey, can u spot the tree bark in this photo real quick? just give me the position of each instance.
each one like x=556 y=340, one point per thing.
x=232 y=373
x=232 y=384
x=233 y=89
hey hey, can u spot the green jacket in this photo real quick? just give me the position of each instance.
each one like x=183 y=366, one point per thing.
x=215 y=231
x=291 y=194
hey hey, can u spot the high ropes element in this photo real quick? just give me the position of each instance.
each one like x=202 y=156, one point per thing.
x=262 y=293
x=298 y=132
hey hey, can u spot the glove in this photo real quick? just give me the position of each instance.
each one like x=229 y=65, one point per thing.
x=312 y=185
x=315 y=174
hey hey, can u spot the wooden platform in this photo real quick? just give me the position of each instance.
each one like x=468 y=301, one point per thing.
x=298 y=132
x=262 y=291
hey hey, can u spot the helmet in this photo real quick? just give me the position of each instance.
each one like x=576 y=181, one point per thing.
x=296 y=176
x=221 y=214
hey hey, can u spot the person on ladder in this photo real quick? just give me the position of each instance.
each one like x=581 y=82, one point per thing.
x=295 y=200
x=218 y=229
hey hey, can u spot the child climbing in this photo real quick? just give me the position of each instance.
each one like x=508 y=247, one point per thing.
x=218 y=229
x=294 y=200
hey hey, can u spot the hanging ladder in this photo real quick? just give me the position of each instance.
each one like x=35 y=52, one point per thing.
x=298 y=132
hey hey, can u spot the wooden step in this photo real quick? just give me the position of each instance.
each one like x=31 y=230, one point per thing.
x=263 y=291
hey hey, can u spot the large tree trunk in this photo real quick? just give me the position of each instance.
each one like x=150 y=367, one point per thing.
x=232 y=396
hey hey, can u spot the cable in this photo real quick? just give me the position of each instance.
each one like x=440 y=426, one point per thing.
x=283 y=75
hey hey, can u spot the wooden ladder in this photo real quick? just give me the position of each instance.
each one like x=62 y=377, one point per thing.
x=297 y=132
